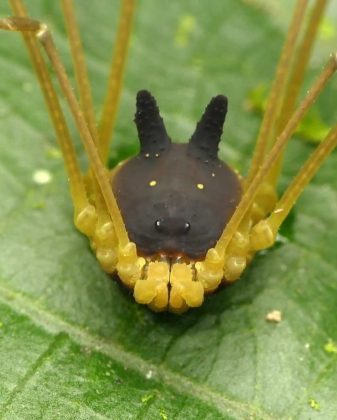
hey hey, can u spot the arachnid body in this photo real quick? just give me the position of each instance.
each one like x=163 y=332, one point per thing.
x=174 y=221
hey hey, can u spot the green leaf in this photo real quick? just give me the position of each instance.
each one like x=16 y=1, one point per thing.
x=73 y=344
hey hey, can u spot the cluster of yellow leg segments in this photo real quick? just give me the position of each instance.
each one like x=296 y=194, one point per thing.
x=161 y=282
x=164 y=283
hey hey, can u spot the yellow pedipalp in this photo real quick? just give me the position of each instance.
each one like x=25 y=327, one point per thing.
x=185 y=292
x=153 y=290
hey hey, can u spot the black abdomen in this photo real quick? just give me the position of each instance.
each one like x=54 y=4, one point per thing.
x=176 y=198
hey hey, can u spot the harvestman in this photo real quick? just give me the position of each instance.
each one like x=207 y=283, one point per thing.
x=173 y=235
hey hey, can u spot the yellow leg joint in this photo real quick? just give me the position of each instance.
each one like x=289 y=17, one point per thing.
x=107 y=257
x=105 y=236
x=105 y=245
x=153 y=290
x=129 y=266
x=262 y=236
x=185 y=292
x=239 y=245
x=210 y=271
x=234 y=267
x=85 y=220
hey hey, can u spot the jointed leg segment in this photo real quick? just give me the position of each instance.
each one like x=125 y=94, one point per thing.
x=81 y=73
x=264 y=233
x=268 y=125
x=32 y=29
x=84 y=212
x=248 y=231
x=281 y=142
x=107 y=122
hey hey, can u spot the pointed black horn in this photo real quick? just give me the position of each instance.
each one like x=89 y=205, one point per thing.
x=152 y=133
x=205 y=140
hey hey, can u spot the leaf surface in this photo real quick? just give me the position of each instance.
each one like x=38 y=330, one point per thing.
x=73 y=344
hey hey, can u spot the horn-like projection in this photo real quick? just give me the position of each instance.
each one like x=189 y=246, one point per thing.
x=152 y=133
x=205 y=140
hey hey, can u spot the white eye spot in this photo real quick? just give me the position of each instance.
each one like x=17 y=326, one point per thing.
x=153 y=183
x=42 y=177
x=200 y=186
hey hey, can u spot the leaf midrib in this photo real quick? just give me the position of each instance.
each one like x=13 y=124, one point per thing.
x=55 y=325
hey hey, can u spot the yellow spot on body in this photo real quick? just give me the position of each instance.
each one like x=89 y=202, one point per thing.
x=153 y=183
x=186 y=27
x=200 y=186
x=42 y=177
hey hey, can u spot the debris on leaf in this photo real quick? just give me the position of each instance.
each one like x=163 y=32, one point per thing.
x=147 y=398
x=274 y=316
x=163 y=416
x=313 y=404
x=330 y=347
x=42 y=177
x=185 y=29
x=327 y=29
x=54 y=153
x=312 y=128
x=257 y=99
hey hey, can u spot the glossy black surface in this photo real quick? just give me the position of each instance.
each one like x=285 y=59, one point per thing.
x=176 y=198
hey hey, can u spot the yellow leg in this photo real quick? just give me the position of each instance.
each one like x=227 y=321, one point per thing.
x=249 y=195
x=104 y=240
x=280 y=107
x=302 y=56
x=296 y=78
x=107 y=122
x=99 y=170
x=277 y=90
x=80 y=67
x=264 y=233
x=282 y=100
x=43 y=35
x=153 y=290
x=85 y=215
